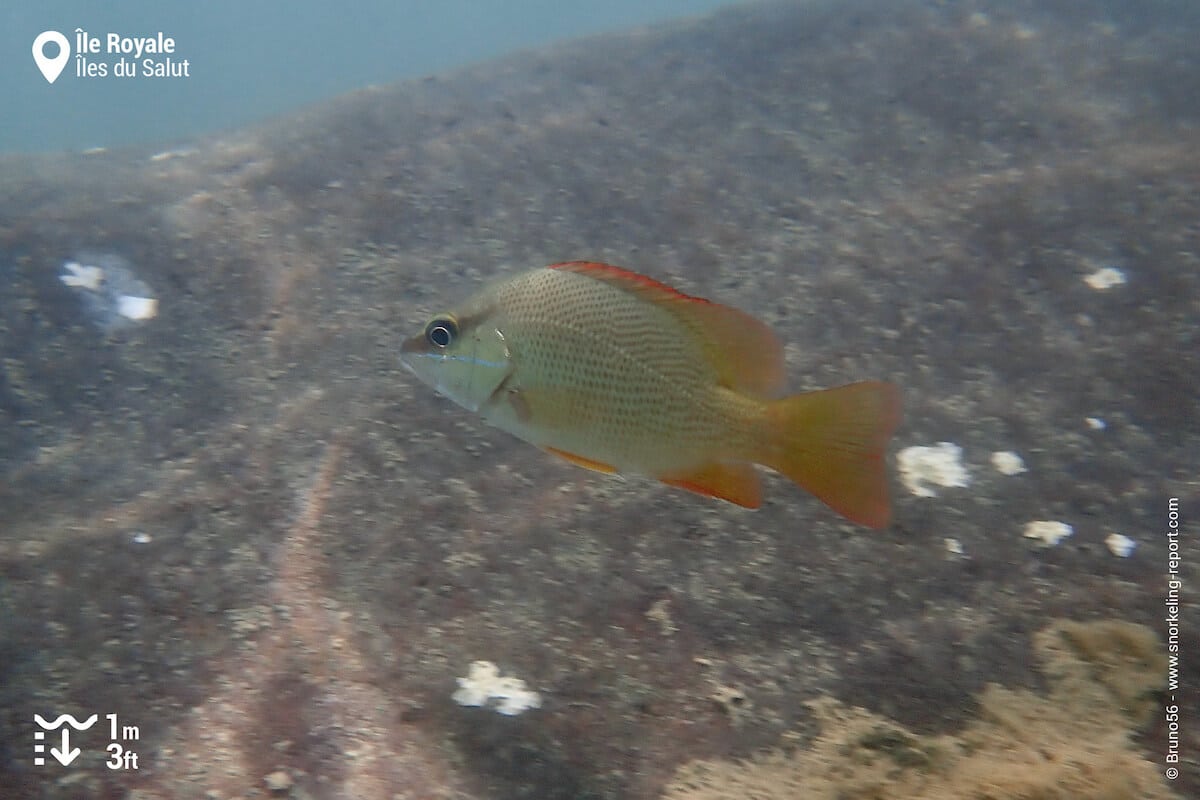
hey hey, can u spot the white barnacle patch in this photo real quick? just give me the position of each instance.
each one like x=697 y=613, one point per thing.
x=924 y=467
x=484 y=686
x=110 y=294
x=1048 y=532
x=137 y=308
x=82 y=277
x=1007 y=462
x=1105 y=278
x=1120 y=545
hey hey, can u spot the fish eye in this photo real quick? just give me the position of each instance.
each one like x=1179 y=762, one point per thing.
x=441 y=332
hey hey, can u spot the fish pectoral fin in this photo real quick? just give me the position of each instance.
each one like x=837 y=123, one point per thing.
x=548 y=408
x=580 y=461
x=507 y=391
x=736 y=482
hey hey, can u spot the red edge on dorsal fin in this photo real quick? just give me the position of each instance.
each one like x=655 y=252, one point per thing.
x=620 y=275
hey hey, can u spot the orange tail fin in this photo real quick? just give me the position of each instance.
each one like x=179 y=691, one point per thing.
x=832 y=443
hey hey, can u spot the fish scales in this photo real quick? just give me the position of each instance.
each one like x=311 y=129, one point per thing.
x=632 y=376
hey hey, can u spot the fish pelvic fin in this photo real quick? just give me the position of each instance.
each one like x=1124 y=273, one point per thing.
x=832 y=443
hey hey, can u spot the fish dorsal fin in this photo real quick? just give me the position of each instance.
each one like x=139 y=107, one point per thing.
x=745 y=353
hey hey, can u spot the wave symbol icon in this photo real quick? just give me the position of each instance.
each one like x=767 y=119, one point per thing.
x=74 y=723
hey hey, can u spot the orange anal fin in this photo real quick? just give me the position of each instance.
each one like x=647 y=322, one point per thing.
x=580 y=461
x=737 y=483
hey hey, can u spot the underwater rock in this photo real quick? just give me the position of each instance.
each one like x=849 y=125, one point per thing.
x=113 y=297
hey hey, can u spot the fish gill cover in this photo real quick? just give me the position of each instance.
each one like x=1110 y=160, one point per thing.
x=241 y=527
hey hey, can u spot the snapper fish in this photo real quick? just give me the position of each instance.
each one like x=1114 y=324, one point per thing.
x=619 y=373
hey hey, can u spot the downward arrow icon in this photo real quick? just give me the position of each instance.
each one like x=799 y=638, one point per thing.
x=66 y=755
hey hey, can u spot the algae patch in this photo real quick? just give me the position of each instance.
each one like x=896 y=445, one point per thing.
x=1073 y=742
x=1103 y=666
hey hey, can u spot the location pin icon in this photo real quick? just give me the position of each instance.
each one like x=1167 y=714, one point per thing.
x=51 y=67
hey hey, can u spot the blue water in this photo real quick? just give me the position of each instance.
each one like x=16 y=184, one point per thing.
x=250 y=60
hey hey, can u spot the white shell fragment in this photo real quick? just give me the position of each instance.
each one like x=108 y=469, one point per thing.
x=137 y=308
x=953 y=546
x=1120 y=545
x=1105 y=278
x=483 y=686
x=1096 y=424
x=1048 y=532
x=1007 y=462
x=922 y=467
